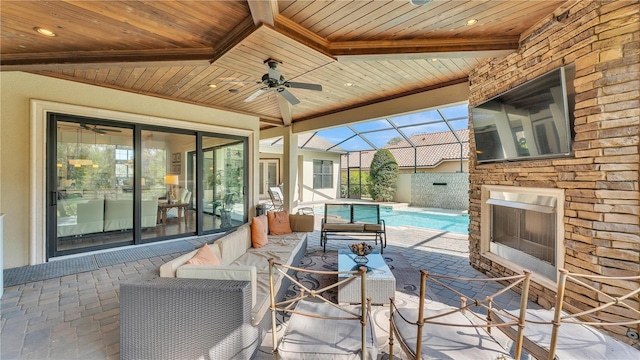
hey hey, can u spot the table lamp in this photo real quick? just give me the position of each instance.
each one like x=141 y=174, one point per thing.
x=171 y=180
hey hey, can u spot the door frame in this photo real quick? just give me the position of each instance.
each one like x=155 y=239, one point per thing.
x=263 y=178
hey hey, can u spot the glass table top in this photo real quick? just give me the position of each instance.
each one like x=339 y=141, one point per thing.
x=376 y=266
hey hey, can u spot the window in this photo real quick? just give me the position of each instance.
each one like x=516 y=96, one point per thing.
x=322 y=174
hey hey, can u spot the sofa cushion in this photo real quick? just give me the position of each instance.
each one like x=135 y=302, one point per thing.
x=260 y=259
x=168 y=269
x=241 y=273
x=204 y=256
x=259 y=231
x=302 y=223
x=234 y=244
x=263 y=296
x=279 y=222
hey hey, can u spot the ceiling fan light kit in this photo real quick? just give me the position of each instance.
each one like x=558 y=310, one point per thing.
x=418 y=2
x=274 y=80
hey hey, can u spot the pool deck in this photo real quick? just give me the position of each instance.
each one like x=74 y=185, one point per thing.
x=77 y=316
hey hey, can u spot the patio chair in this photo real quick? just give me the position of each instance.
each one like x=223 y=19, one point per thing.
x=456 y=332
x=319 y=328
x=555 y=333
x=277 y=199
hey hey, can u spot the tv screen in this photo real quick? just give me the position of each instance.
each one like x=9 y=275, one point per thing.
x=530 y=121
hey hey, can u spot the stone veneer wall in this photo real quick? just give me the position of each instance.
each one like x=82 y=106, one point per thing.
x=454 y=195
x=601 y=220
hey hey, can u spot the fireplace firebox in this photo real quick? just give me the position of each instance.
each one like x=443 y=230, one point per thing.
x=522 y=228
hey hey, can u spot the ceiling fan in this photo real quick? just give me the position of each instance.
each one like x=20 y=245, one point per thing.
x=98 y=130
x=273 y=80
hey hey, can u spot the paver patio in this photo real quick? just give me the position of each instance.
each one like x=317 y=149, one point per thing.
x=77 y=316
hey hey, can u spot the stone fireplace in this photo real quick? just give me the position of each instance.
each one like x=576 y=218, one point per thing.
x=596 y=187
x=523 y=229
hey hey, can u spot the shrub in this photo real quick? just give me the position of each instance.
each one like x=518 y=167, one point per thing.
x=383 y=176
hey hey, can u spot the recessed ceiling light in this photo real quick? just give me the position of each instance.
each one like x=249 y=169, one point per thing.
x=213 y=86
x=234 y=91
x=472 y=22
x=434 y=60
x=44 y=32
x=349 y=84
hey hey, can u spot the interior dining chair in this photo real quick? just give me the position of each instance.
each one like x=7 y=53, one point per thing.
x=318 y=328
x=277 y=199
x=457 y=332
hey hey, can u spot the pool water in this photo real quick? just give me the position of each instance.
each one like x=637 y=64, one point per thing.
x=456 y=223
x=428 y=220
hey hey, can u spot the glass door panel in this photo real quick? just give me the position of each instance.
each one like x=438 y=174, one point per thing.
x=167 y=206
x=268 y=176
x=94 y=190
x=224 y=200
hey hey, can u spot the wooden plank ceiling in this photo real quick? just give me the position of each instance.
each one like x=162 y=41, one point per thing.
x=359 y=51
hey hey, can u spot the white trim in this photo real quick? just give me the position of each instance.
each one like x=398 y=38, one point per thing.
x=38 y=152
x=485 y=229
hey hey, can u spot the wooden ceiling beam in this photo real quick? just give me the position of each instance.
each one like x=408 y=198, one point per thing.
x=420 y=48
x=263 y=11
x=304 y=36
x=153 y=57
x=271 y=122
x=234 y=38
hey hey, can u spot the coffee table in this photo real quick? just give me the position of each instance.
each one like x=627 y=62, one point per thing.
x=381 y=284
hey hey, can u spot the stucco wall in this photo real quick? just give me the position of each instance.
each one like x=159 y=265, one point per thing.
x=308 y=193
x=16 y=91
x=600 y=180
x=449 y=166
x=403 y=188
x=305 y=191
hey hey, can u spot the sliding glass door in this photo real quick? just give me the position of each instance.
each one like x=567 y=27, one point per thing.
x=167 y=207
x=112 y=184
x=223 y=183
x=92 y=195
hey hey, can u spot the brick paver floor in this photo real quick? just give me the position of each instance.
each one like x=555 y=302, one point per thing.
x=77 y=316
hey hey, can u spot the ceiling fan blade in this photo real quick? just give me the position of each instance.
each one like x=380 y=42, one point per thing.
x=255 y=95
x=289 y=96
x=297 y=85
x=106 y=130
x=285 y=110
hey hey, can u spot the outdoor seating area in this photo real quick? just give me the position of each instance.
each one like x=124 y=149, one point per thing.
x=353 y=221
x=140 y=312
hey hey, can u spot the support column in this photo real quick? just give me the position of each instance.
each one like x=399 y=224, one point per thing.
x=290 y=168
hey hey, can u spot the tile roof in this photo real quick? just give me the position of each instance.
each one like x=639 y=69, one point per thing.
x=431 y=150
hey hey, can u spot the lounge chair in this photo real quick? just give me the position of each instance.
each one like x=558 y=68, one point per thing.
x=277 y=199
x=319 y=328
x=557 y=334
x=456 y=332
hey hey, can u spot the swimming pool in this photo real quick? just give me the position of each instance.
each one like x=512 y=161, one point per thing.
x=426 y=219
x=417 y=217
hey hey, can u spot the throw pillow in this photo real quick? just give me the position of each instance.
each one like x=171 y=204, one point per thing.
x=204 y=256
x=279 y=222
x=259 y=231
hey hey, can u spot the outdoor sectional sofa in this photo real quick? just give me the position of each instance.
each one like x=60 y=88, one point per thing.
x=205 y=311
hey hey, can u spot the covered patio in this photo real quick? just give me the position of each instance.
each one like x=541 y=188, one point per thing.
x=77 y=315
x=202 y=83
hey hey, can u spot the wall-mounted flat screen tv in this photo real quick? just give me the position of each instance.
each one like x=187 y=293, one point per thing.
x=533 y=120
